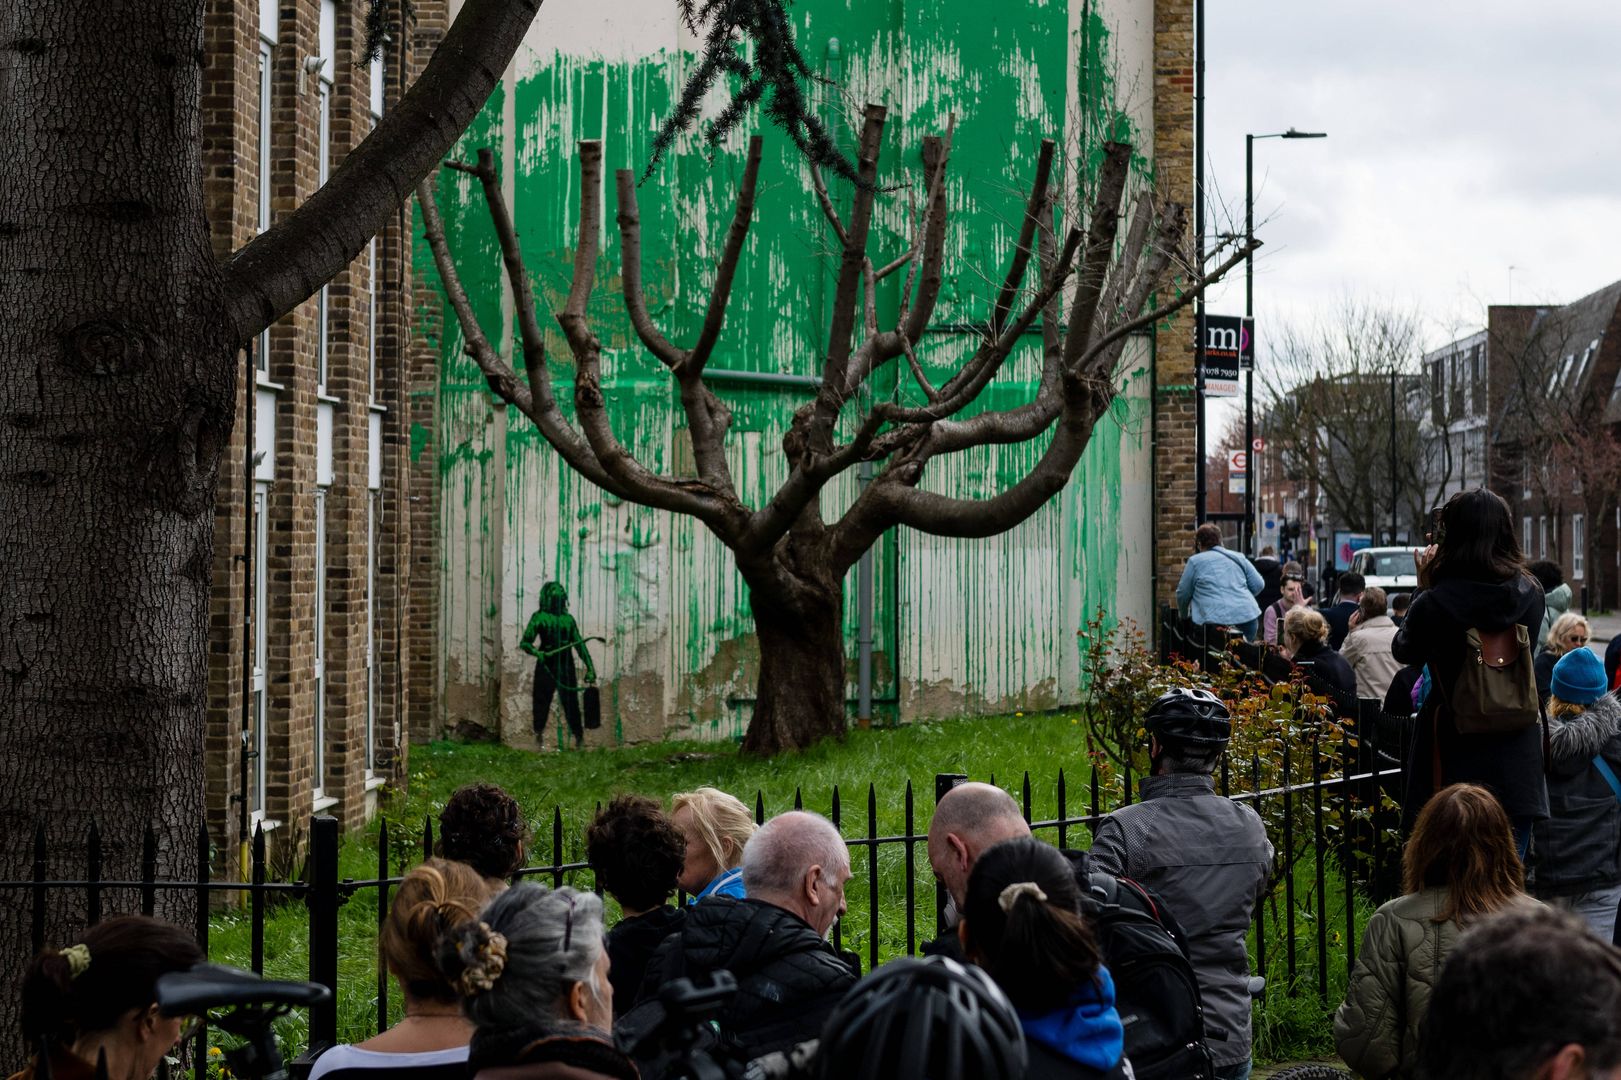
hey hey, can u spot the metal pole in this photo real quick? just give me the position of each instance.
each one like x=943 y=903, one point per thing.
x=864 y=591
x=1251 y=473
x=1392 y=457
x=1199 y=479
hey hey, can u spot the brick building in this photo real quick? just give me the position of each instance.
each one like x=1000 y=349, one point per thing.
x=312 y=549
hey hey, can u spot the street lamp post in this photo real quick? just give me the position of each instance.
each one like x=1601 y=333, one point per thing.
x=1250 y=529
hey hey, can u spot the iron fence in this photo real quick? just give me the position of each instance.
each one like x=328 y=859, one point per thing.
x=1344 y=783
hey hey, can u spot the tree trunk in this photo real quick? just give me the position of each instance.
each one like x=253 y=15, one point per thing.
x=116 y=396
x=800 y=696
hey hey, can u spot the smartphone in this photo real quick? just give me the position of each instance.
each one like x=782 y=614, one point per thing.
x=1437 y=531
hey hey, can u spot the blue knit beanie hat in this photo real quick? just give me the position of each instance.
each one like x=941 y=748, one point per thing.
x=1579 y=677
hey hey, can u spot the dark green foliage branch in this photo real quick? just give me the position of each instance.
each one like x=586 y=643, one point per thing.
x=778 y=66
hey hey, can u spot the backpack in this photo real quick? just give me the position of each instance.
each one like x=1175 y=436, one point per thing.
x=1155 y=990
x=1496 y=691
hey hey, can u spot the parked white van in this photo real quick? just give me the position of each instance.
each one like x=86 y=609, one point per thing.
x=1390 y=568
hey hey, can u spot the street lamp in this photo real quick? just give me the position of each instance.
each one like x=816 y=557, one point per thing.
x=1250 y=529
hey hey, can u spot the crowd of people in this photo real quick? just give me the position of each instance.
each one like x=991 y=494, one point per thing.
x=1128 y=960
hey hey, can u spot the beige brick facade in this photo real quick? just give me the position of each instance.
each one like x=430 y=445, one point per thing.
x=363 y=401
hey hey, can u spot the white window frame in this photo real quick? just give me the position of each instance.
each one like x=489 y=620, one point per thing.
x=323 y=91
x=372 y=500
x=318 y=783
x=1525 y=534
x=1578 y=545
x=1542 y=531
x=371 y=322
x=266 y=56
x=257 y=742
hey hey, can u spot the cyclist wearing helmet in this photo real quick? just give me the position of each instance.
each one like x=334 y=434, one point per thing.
x=922 y=1020
x=1206 y=856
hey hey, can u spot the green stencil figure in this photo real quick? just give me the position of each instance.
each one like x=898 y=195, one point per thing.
x=552 y=637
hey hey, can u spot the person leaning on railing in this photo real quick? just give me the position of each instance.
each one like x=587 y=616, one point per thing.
x=533 y=973
x=430 y=1041
x=95 y=1001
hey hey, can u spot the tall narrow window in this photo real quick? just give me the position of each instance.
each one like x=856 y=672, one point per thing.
x=1542 y=537
x=255 y=738
x=1578 y=546
x=1525 y=534
x=371 y=320
x=262 y=353
x=372 y=499
x=323 y=159
x=319 y=771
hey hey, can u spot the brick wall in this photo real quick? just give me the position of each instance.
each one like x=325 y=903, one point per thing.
x=1175 y=442
x=231 y=162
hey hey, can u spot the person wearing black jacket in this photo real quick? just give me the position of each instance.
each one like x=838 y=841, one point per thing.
x=1472 y=577
x=774 y=943
x=1339 y=615
x=636 y=854
x=1305 y=637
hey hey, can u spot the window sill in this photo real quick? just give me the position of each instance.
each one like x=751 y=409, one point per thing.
x=259 y=821
x=375 y=782
x=263 y=382
x=326 y=398
x=376 y=408
x=325 y=802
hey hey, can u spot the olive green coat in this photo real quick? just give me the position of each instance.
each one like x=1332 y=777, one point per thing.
x=1376 y=1027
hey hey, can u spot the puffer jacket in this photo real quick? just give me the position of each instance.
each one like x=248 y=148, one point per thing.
x=1376 y=1027
x=551 y=1050
x=1558 y=602
x=788 y=977
x=1579 y=848
x=1208 y=859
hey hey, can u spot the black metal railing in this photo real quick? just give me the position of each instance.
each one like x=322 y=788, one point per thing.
x=1344 y=785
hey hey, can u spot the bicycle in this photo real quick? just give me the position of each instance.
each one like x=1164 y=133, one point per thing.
x=253 y=1005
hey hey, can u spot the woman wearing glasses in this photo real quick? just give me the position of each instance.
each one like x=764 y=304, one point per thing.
x=95 y=1002
x=1568 y=633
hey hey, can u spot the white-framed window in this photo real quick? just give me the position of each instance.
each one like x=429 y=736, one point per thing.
x=1542 y=539
x=266 y=44
x=319 y=770
x=1578 y=546
x=371 y=320
x=373 y=499
x=1525 y=534
x=323 y=158
x=255 y=743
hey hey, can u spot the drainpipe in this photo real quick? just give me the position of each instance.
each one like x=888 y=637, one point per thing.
x=864 y=589
x=762 y=378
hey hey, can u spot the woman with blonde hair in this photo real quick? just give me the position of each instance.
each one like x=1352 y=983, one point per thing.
x=1460 y=865
x=430 y=1042
x=715 y=826
x=1305 y=639
x=1568 y=633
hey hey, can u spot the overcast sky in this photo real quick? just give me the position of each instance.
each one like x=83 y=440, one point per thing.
x=1463 y=138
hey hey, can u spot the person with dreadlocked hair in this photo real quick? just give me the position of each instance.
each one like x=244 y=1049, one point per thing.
x=95 y=1001
x=552 y=637
x=1022 y=923
x=430 y=1041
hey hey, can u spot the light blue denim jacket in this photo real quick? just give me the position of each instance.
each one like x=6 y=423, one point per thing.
x=1219 y=586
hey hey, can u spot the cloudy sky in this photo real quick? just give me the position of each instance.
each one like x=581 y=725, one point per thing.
x=1464 y=138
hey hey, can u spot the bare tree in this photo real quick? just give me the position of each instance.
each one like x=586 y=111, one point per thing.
x=793 y=559
x=1333 y=419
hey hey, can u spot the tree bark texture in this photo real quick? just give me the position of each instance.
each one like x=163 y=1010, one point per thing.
x=799 y=697
x=115 y=400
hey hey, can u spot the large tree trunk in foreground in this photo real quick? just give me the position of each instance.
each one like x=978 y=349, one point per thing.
x=800 y=696
x=116 y=396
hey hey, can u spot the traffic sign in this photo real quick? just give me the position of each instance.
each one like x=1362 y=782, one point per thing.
x=1257 y=444
x=1237 y=462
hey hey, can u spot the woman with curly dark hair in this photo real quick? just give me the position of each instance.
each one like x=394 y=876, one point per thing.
x=483 y=827
x=637 y=855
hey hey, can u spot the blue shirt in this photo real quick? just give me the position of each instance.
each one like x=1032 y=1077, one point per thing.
x=727 y=883
x=1219 y=586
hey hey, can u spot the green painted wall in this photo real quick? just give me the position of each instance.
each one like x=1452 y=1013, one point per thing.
x=961 y=626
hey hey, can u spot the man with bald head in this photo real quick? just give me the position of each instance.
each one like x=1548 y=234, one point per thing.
x=969 y=819
x=774 y=943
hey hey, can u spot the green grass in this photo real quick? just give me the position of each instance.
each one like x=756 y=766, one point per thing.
x=574 y=783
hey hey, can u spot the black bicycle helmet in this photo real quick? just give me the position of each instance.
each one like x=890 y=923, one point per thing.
x=929 y=1019
x=1186 y=717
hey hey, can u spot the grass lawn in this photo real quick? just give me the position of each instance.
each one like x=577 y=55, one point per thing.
x=575 y=782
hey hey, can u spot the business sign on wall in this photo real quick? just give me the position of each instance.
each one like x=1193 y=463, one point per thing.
x=1229 y=348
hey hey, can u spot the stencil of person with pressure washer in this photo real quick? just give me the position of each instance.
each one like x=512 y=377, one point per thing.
x=552 y=637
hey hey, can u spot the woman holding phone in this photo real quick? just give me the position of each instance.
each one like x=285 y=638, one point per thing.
x=1471 y=577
